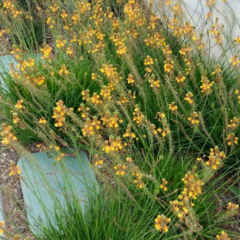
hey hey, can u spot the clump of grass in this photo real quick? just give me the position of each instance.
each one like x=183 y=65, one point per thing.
x=140 y=93
x=158 y=65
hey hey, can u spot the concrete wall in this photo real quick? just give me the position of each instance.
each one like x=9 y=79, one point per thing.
x=228 y=14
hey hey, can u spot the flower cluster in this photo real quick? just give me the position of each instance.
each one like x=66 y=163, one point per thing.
x=129 y=133
x=19 y=105
x=188 y=98
x=11 y=8
x=192 y=186
x=215 y=160
x=216 y=30
x=163 y=185
x=234 y=123
x=155 y=41
x=110 y=72
x=60 y=154
x=14 y=169
x=232 y=139
x=193 y=119
x=111 y=121
x=138 y=116
x=155 y=84
x=168 y=65
x=16 y=118
x=233 y=209
x=223 y=236
x=161 y=223
x=42 y=120
x=120 y=169
x=97 y=160
x=46 y=52
x=59 y=114
x=206 y=87
x=173 y=107
x=91 y=127
x=8 y=137
x=180 y=78
x=39 y=80
x=2 y=226
x=148 y=62
x=113 y=145
x=234 y=60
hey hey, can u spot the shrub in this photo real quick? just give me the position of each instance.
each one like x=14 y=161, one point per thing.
x=139 y=93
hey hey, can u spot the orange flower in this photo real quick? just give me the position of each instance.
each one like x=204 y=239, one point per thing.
x=2 y=226
x=223 y=236
x=14 y=169
x=42 y=120
x=161 y=222
x=19 y=104
x=173 y=107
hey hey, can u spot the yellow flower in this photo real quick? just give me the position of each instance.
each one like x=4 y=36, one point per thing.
x=16 y=119
x=161 y=223
x=7 y=134
x=173 y=107
x=180 y=78
x=215 y=160
x=63 y=70
x=60 y=156
x=95 y=99
x=42 y=120
x=232 y=208
x=99 y=162
x=234 y=60
x=130 y=79
x=234 y=123
x=192 y=186
x=148 y=61
x=188 y=98
x=231 y=139
x=223 y=236
x=60 y=43
x=194 y=118
x=2 y=226
x=19 y=104
x=54 y=7
x=209 y=3
x=154 y=83
x=14 y=169
x=59 y=113
x=16 y=237
x=163 y=185
x=64 y=14
x=167 y=51
x=206 y=87
x=46 y=52
x=168 y=65
x=120 y=169
x=208 y=15
x=128 y=133
x=237 y=39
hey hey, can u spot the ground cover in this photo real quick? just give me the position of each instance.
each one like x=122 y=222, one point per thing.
x=158 y=117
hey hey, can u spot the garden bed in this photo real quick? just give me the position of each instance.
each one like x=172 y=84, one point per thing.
x=140 y=94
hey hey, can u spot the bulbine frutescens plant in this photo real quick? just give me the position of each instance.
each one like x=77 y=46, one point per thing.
x=139 y=92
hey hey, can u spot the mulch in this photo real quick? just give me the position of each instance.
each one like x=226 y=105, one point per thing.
x=14 y=208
